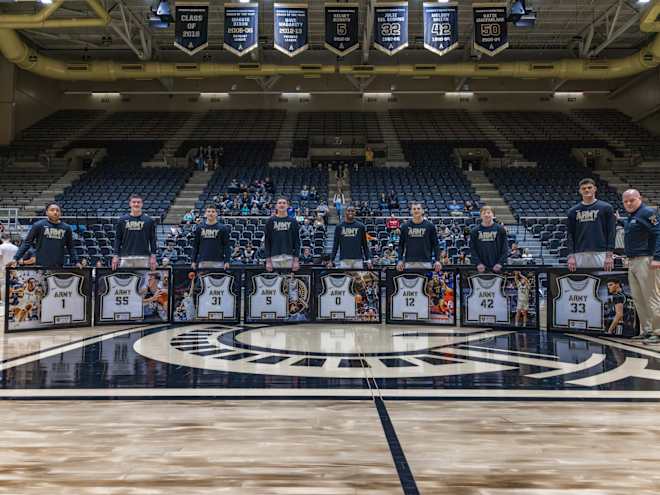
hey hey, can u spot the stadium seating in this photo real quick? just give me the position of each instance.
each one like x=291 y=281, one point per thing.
x=538 y=126
x=433 y=178
x=19 y=187
x=137 y=126
x=363 y=124
x=241 y=125
x=59 y=126
x=618 y=125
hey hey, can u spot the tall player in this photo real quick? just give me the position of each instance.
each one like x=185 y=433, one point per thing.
x=135 y=240
x=488 y=243
x=591 y=231
x=210 y=246
x=282 y=239
x=49 y=238
x=351 y=242
x=418 y=242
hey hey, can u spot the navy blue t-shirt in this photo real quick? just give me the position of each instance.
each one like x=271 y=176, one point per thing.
x=591 y=228
x=211 y=243
x=642 y=233
x=49 y=241
x=489 y=245
x=135 y=236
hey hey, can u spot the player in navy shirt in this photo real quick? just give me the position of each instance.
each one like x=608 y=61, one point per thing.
x=489 y=243
x=418 y=242
x=49 y=238
x=211 y=247
x=282 y=239
x=642 y=247
x=351 y=242
x=135 y=240
x=591 y=231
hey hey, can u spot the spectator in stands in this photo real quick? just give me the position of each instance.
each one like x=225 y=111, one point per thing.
x=169 y=251
x=444 y=232
x=463 y=259
x=245 y=210
x=526 y=254
x=84 y=263
x=470 y=210
x=383 y=203
x=307 y=258
x=319 y=222
x=313 y=194
x=322 y=209
x=236 y=254
x=444 y=257
x=392 y=201
x=368 y=156
x=395 y=236
x=233 y=187
x=389 y=256
x=515 y=253
x=255 y=209
x=591 y=230
x=249 y=255
x=392 y=223
x=488 y=243
x=339 y=201
x=99 y=264
x=304 y=193
x=455 y=208
x=306 y=229
x=189 y=217
x=269 y=186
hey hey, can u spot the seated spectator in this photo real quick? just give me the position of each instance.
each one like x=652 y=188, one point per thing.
x=306 y=229
x=269 y=186
x=322 y=209
x=392 y=201
x=463 y=259
x=189 y=217
x=394 y=236
x=319 y=222
x=304 y=193
x=470 y=209
x=527 y=255
x=389 y=255
x=444 y=258
x=236 y=254
x=455 y=208
x=169 y=251
x=313 y=194
x=255 y=209
x=249 y=255
x=245 y=210
x=392 y=223
x=383 y=203
x=515 y=252
x=307 y=258
x=233 y=187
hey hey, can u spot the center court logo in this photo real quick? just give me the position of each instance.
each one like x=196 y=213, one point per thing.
x=342 y=351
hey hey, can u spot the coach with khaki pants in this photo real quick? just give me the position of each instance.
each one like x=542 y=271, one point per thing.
x=642 y=247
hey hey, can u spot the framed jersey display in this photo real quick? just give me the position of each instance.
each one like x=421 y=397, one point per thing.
x=278 y=296
x=591 y=302
x=506 y=299
x=40 y=298
x=348 y=295
x=132 y=295
x=421 y=297
x=206 y=295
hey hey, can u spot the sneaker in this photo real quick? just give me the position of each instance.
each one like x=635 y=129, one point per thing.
x=652 y=339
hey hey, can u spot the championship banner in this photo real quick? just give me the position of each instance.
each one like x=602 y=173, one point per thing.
x=132 y=295
x=391 y=27
x=490 y=28
x=421 y=297
x=348 y=296
x=241 y=28
x=206 y=296
x=278 y=297
x=41 y=298
x=341 y=28
x=506 y=299
x=191 y=29
x=290 y=31
x=591 y=302
x=440 y=27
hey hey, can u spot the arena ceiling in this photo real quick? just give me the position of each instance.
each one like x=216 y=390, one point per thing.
x=562 y=26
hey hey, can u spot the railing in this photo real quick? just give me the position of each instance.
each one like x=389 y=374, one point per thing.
x=9 y=218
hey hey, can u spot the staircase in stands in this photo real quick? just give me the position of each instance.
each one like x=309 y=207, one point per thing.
x=490 y=132
x=284 y=145
x=188 y=196
x=395 y=155
x=333 y=217
x=168 y=151
x=44 y=197
x=490 y=196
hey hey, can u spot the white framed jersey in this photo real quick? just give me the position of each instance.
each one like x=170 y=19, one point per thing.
x=63 y=302
x=337 y=301
x=268 y=300
x=122 y=300
x=577 y=306
x=215 y=300
x=409 y=300
x=487 y=302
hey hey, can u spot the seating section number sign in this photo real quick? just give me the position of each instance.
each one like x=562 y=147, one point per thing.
x=591 y=301
x=422 y=296
x=132 y=295
x=505 y=299
x=39 y=299
x=206 y=296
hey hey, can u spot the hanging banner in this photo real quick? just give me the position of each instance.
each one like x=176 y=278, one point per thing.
x=191 y=30
x=290 y=31
x=490 y=28
x=241 y=28
x=391 y=27
x=341 y=28
x=440 y=27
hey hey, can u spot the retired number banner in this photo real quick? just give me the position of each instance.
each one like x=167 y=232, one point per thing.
x=391 y=27
x=591 y=302
x=41 y=298
x=505 y=299
x=421 y=297
x=490 y=28
x=290 y=29
x=440 y=27
x=191 y=30
x=241 y=28
x=341 y=28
